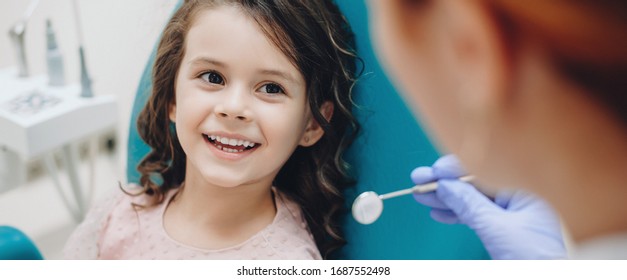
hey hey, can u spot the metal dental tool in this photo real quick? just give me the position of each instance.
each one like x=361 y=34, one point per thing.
x=368 y=206
x=86 y=90
x=16 y=33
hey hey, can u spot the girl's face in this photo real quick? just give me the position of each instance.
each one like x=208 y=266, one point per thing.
x=241 y=108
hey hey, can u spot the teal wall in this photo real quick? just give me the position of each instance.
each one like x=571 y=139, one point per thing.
x=390 y=146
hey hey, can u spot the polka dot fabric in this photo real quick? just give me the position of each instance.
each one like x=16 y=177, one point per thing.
x=114 y=230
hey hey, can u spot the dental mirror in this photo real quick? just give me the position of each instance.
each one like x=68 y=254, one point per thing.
x=368 y=206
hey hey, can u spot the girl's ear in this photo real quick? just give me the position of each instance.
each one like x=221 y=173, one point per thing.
x=172 y=112
x=313 y=131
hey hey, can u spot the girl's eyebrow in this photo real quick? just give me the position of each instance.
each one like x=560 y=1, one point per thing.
x=202 y=60
x=279 y=74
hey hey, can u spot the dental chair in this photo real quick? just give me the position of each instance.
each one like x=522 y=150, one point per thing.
x=390 y=146
x=15 y=245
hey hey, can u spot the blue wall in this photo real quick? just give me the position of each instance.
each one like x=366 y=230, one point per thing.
x=391 y=145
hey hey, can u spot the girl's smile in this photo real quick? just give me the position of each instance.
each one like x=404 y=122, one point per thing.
x=230 y=146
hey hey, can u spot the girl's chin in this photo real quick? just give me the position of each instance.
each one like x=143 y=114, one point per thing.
x=222 y=182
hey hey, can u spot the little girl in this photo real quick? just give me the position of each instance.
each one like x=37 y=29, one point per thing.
x=249 y=116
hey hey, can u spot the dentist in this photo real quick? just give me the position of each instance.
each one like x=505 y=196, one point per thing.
x=531 y=94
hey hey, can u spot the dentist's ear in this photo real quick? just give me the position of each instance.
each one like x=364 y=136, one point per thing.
x=313 y=131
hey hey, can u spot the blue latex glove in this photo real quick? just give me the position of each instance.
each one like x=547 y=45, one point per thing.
x=515 y=226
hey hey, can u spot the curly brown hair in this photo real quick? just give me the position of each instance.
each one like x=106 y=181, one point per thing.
x=318 y=40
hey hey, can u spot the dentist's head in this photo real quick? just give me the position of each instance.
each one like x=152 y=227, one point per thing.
x=527 y=93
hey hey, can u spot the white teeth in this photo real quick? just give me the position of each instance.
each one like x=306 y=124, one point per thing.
x=229 y=150
x=231 y=142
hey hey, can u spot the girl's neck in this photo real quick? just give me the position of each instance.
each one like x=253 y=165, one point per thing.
x=210 y=216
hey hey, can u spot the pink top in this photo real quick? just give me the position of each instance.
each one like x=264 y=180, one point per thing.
x=114 y=230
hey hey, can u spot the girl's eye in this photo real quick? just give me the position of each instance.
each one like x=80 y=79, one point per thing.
x=212 y=77
x=271 y=88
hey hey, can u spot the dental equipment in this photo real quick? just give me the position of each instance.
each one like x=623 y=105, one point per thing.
x=54 y=58
x=16 y=33
x=368 y=206
x=85 y=79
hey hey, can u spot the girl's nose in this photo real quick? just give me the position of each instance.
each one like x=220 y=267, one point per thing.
x=234 y=106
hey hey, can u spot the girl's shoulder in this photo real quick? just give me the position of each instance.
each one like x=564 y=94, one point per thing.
x=134 y=217
x=84 y=241
x=289 y=234
x=125 y=201
x=113 y=217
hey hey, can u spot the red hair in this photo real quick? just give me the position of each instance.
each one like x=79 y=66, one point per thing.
x=587 y=40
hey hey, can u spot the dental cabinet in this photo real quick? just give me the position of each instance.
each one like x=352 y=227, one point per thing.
x=37 y=119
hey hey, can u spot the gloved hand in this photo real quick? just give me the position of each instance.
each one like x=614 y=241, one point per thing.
x=515 y=226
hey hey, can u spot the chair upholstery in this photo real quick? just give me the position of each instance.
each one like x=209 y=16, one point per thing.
x=15 y=245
